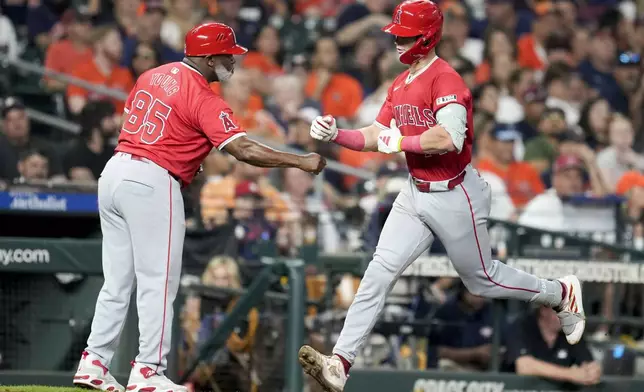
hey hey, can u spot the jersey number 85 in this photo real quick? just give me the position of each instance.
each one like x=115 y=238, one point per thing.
x=148 y=116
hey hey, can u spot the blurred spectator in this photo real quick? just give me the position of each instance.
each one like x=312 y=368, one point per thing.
x=542 y=150
x=462 y=338
x=557 y=81
x=537 y=347
x=103 y=70
x=597 y=71
x=531 y=46
x=486 y=103
x=533 y=105
x=339 y=93
x=457 y=27
x=628 y=75
x=298 y=186
x=595 y=116
x=148 y=31
x=33 y=165
x=370 y=106
x=510 y=109
x=145 y=58
x=266 y=56
x=580 y=45
x=501 y=67
x=501 y=14
x=288 y=99
x=298 y=130
x=124 y=16
x=182 y=16
x=46 y=21
x=251 y=226
x=8 y=38
x=497 y=43
x=631 y=186
x=86 y=159
x=559 y=50
x=66 y=54
x=618 y=158
x=359 y=20
x=228 y=12
x=218 y=196
x=230 y=368
x=522 y=181
x=16 y=138
x=248 y=107
x=363 y=63
x=547 y=210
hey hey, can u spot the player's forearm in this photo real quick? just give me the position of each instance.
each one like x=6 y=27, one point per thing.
x=459 y=355
x=363 y=139
x=257 y=154
x=530 y=366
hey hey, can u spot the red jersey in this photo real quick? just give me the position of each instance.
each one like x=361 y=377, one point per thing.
x=173 y=118
x=414 y=102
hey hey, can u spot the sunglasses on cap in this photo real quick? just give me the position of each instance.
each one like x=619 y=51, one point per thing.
x=629 y=58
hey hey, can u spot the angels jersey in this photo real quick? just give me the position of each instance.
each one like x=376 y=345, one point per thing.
x=413 y=102
x=173 y=118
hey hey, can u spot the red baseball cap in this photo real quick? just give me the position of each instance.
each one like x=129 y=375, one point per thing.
x=247 y=188
x=565 y=162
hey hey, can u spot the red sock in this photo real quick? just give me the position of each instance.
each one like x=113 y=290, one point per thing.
x=345 y=363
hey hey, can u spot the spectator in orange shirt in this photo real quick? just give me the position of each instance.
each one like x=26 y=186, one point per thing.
x=263 y=64
x=218 y=196
x=532 y=51
x=497 y=42
x=62 y=56
x=522 y=181
x=102 y=70
x=339 y=93
x=248 y=107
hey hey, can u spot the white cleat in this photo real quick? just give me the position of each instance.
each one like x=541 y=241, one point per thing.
x=327 y=371
x=93 y=374
x=571 y=312
x=145 y=379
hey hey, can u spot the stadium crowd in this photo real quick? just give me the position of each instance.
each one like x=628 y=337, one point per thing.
x=559 y=99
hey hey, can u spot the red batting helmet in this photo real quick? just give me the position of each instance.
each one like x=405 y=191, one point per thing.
x=414 y=18
x=212 y=39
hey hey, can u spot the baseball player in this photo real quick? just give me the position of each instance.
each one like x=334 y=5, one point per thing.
x=172 y=122
x=428 y=116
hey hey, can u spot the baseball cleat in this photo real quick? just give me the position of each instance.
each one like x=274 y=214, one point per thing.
x=145 y=379
x=571 y=312
x=327 y=371
x=93 y=374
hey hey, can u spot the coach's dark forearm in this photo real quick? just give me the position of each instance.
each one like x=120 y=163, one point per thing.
x=257 y=154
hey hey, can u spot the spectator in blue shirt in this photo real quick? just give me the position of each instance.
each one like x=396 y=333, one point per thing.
x=464 y=332
x=597 y=71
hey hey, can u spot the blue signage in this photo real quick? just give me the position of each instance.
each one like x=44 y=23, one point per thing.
x=83 y=203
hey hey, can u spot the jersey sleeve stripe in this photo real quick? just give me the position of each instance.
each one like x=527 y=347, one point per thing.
x=230 y=139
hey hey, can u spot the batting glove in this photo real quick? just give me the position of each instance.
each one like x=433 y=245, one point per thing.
x=324 y=128
x=389 y=140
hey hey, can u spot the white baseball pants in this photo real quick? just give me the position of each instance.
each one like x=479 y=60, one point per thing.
x=143 y=225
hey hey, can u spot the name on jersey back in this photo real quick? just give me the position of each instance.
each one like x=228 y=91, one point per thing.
x=168 y=83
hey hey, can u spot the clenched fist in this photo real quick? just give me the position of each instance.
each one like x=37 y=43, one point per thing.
x=312 y=163
x=324 y=128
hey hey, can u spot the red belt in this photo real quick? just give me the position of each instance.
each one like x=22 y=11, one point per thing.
x=135 y=157
x=425 y=187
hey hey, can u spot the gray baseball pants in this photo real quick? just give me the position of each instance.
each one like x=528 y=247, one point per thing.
x=459 y=218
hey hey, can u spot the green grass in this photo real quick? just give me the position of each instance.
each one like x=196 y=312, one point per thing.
x=39 y=388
